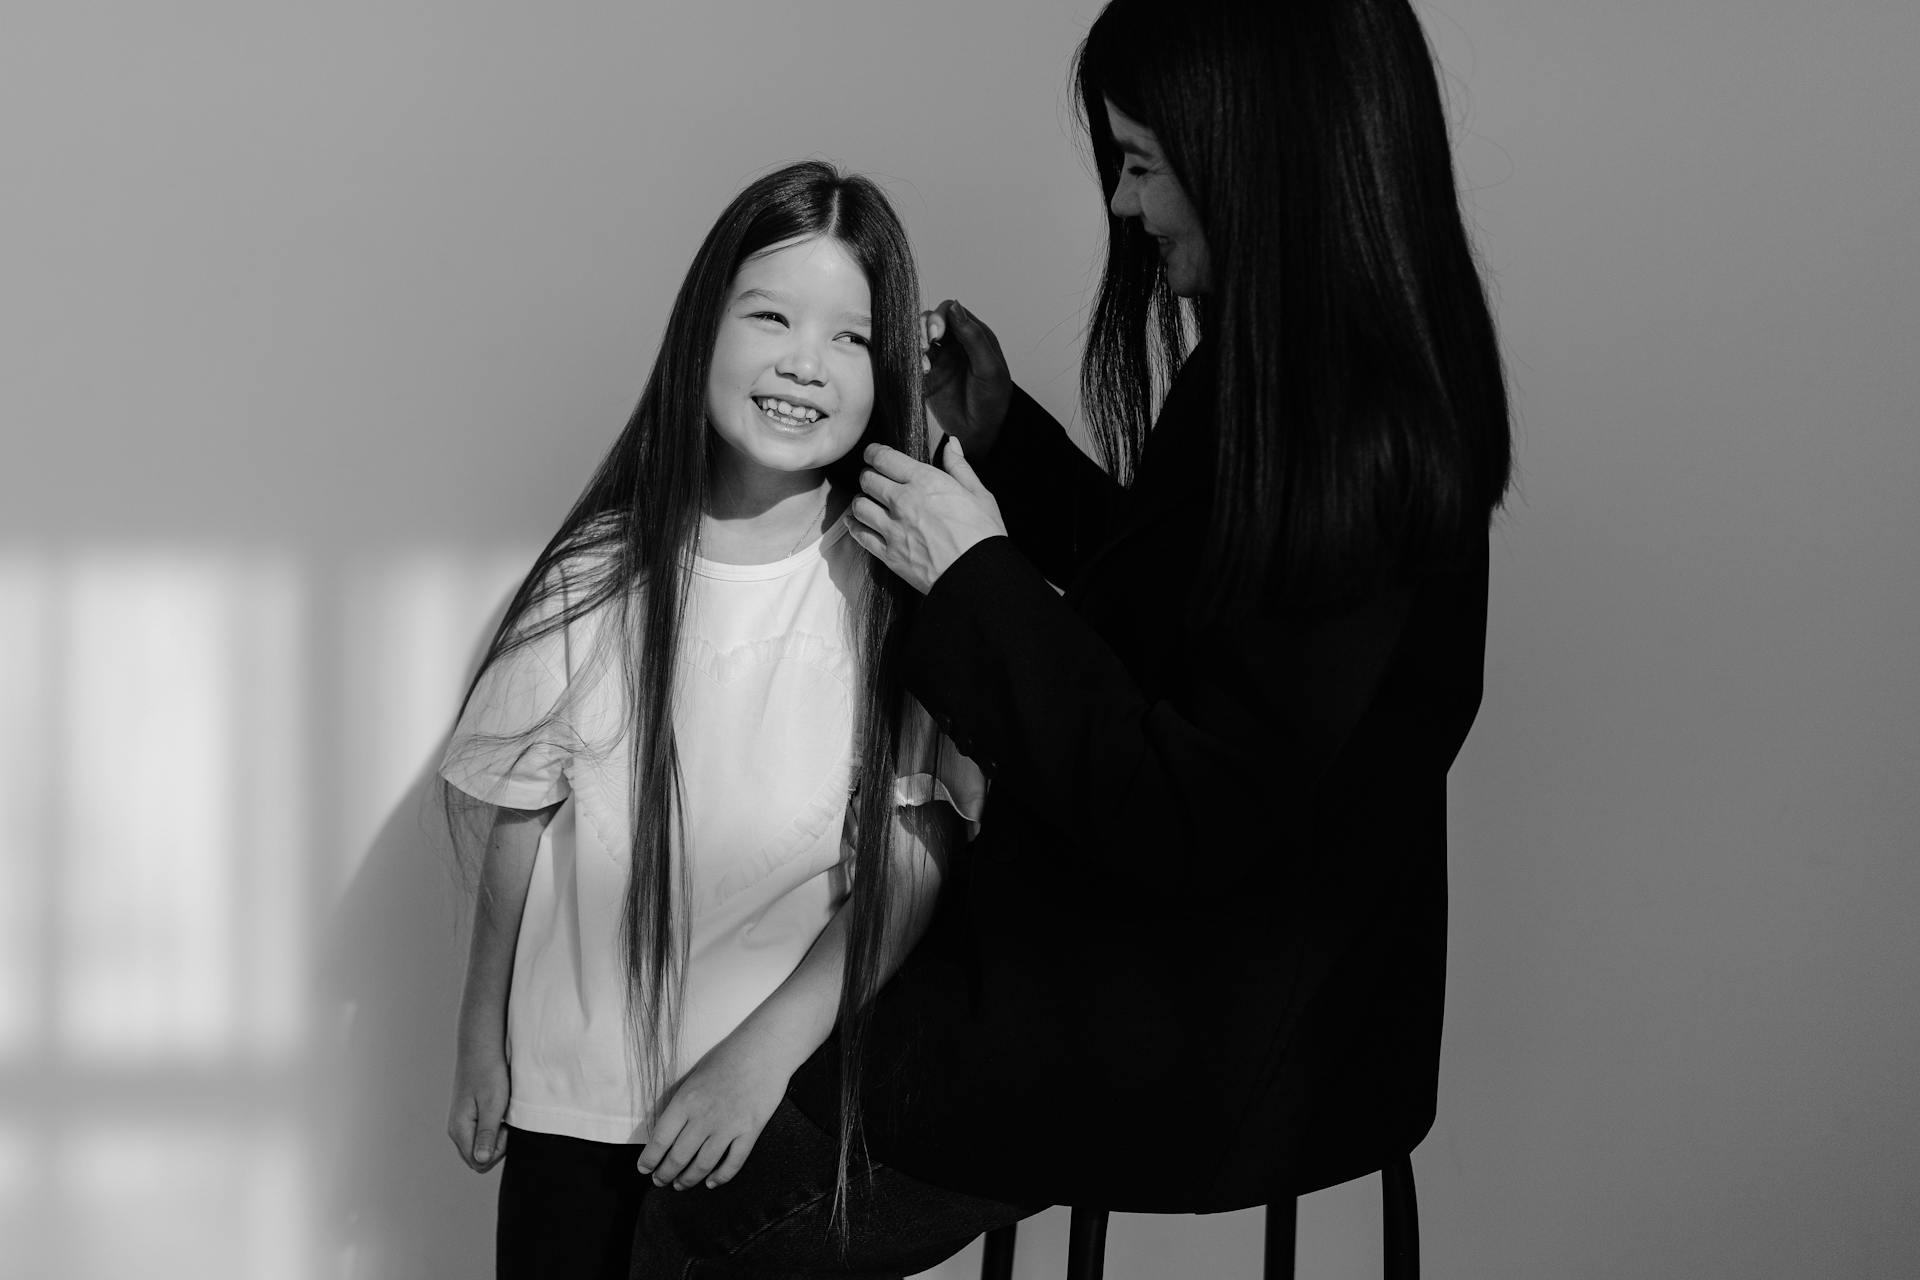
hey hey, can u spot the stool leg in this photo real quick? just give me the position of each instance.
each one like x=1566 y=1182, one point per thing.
x=1281 y=1218
x=1087 y=1244
x=1400 y=1221
x=996 y=1255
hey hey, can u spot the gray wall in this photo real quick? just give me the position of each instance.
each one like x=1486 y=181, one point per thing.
x=315 y=316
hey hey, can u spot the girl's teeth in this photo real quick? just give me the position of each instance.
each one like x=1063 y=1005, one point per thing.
x=791 y=411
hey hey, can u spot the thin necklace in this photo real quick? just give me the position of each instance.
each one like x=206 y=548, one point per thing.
x=826 y=488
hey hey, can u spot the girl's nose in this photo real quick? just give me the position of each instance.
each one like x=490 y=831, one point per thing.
x=799 y=362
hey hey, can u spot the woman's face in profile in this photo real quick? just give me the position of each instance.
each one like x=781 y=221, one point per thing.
x=1148 y=191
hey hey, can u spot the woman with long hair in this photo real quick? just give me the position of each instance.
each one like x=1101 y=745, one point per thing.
x=667 y=740
x=1194 y=960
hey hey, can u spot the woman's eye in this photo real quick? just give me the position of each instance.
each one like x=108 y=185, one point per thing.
x=1137 y=170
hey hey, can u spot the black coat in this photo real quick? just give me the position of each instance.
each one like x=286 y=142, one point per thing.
x=1195 y=958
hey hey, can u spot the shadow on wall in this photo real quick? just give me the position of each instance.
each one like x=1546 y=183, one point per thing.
x=399 y=1203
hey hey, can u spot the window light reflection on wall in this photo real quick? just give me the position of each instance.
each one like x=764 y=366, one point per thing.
x=196 y=747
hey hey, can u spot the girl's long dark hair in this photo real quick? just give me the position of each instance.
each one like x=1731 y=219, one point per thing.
x=1360 y=398
x=634 y=526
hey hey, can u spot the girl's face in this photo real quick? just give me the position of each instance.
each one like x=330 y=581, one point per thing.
x=1147 y=190
x=792 y=382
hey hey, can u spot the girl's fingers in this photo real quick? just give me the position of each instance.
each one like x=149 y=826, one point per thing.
x=736 y=1157
x=485 y=1143
x=460 y=1127
x=702 y=1163
x=665 y=1131
x=501 y=1135
x=684 y=1149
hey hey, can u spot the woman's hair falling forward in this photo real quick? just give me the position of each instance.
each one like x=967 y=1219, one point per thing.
x=1360 y=396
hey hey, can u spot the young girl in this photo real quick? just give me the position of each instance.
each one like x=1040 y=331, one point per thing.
x=670 y=730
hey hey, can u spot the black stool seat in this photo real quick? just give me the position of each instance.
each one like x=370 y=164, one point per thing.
x=1087 y=1236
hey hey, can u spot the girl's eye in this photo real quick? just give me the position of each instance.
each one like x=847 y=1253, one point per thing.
x=858 y=339
x=774 y=316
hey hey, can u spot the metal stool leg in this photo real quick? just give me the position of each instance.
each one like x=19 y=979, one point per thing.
x=1087 y=1244
x=1400 y=1221
x=1282 y=1217
x=996 y=1256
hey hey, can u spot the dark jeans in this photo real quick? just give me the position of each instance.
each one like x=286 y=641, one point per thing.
x=567 y=1208
x=771 y=1220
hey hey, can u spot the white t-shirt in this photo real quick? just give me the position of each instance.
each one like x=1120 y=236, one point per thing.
x=764 y=720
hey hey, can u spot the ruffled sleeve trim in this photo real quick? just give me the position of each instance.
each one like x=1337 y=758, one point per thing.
x=968 y=798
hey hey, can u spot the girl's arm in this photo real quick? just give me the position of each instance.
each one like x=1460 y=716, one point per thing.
x=709 y=1125
x=480 y=1083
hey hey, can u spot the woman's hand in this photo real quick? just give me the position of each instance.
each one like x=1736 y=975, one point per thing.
x=967 y=385
x=709 y=1125
x=917 y=519
x=476 y=1119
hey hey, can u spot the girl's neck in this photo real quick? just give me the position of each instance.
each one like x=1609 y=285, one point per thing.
x=765 y=517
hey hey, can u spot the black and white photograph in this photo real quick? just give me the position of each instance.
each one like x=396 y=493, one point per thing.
x=1030 y=639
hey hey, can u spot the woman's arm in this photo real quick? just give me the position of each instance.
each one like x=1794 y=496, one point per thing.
x=480 y=1081
x=708 y=1127
x=1057 y=502
x=1241 y=737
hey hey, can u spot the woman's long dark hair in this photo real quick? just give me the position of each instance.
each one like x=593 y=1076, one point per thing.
x=1360 y=397
x=634 y=527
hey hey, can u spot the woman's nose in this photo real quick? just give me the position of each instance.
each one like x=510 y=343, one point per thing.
x=1125 y=201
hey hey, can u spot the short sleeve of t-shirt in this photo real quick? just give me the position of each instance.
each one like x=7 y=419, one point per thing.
x=513 y=744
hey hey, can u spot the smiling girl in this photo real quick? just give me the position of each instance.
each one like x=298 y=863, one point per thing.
x=683 y=880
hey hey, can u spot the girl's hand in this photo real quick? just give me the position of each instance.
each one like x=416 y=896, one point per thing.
x=711 y=1122
x=967 y=386
x=476 y=1121
x=917 y=519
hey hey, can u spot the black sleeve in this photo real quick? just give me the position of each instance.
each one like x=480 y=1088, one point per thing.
x=1057 y=502
x=1029 y=690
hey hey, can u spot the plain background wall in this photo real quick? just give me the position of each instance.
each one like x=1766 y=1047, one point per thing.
x=313 y=318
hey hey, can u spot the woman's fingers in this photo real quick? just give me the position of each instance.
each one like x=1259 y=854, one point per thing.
x=868 y=541
x=877 y=486
x=982 y=347
x=871 y=518
x=889 y=462
x=953 y=460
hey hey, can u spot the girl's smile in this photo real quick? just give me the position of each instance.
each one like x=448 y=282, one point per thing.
x=792 y=413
